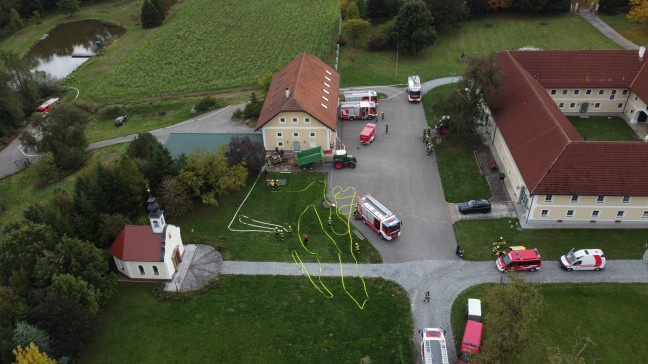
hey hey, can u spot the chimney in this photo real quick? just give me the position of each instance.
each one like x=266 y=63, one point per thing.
x=642 y=50
x=287 y=92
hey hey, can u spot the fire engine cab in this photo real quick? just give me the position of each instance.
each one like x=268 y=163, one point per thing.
x=381 y=220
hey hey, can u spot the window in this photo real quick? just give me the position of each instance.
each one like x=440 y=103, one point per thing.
x=282 y=120
x=572 y=105
x=155 y=271
x=564 y=92
x=311 y=134
x=141 y=270
x=588 y=92
x=306 y=120
x=544 y=213
x=325 y=90
x=324 y=97
x=280 y=144
x=574 y=199
x=645 y=215
x=279 y=134
x=296 y=134
x=620 y=105
x=576 y=92
x=570 y=213
x=625 y=92
x=294 y=120
x=156 y=224
x=612 y=94
x=600 y=199
x=626 y=199
x=620 y=214
x=561 y=105
x=601 y=92
x=549 y=198
x=553 y=92
x=595 y=213
x=597 y=105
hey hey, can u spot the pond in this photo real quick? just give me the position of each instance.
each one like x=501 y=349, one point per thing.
x=68 y=45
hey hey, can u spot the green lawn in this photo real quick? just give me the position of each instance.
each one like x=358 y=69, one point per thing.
x=600 y=128
x=249 y=319
x=477 y=237
x=609 y=313
x=298 y=204
x=636 y=33
x=477 y=37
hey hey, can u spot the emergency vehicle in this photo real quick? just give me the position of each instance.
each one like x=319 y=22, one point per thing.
x=381 y=220
x=368 y=134
x=584 y=259
x=471 y=341
x=433 y=346
x=371 y=96
x=526 y=259
x=358 y=110
x=47 y=105
x=413 y=89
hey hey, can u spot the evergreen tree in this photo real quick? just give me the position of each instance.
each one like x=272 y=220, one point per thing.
x=413 y=30
x=150 y=17
x=159 y=8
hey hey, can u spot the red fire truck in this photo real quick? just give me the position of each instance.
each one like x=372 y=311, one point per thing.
x=381 y=220
x=361 y=96
x=358 y=110
x=47 y=105
x=413 y=89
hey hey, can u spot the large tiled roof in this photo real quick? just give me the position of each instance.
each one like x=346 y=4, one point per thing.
x=137 y=243
x=544 y=144
x=179 y=143
x=313 y=87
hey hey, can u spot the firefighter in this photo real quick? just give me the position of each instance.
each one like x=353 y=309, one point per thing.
x=386 y=129
x=427 y=297
x=289 y=230
x=495 y=250
x=267 y=181
x=272 y=184
x=430 y=148
x=382 y=114
x=355 y=211
x=357 y=248
x=330 y=223
x=305 y=239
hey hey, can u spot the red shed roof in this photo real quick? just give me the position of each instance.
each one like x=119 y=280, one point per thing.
x=550 y=155
x=313 y=87
x=137 y=243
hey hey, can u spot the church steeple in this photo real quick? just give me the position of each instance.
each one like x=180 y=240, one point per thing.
x=156 y=216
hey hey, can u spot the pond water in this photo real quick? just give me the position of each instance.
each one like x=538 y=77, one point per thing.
x=68 y=45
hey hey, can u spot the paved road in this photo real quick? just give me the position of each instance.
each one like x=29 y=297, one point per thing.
x=396 y=171
x=607 y=31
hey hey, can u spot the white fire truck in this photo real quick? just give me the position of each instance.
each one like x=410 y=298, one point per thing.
x=358 y=110
x=371 y=96
x=47 y=105
x=414 y=89
x=381 y=220
x=433 y=346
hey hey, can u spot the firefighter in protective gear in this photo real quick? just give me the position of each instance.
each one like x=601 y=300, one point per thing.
x=357 y=248
x=430 y=148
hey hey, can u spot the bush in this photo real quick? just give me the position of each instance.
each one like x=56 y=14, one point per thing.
x=341 y=41
x=47 y=171
x=376 y=43
x=253 y=108
x=110 y=112
x=150 y=16
x=238 y=115
x=611 y=7
x=90 y=107
x=205 y=104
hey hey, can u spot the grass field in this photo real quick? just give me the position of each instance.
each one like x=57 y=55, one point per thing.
x=609 y=313
x=477 y=237
x=603 y=129
x=477 y=37
x=251 y=319
x=297 y=204
x=636 y=33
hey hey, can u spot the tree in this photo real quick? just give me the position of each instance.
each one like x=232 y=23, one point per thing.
x=20 y=79
x=159 y=165
x=413 y=30
x=71 y=327
x=265 y=81
x=25 y=334
x=477 y=6
x=512 y=310
x=447 y=12
x=638 y=11
x=556 y=356
x=349 y=10
x=31 y=355
x=498 y=4
x=12 y=307
x=15 y=21
x=174 y=197
x=68 y=7
x=253 y=108
x=528 y=5
x=64 y=136
x=159 y=8
x=11 y=109
x=150 y=16
x=142 y=146
x=20 y=247
x=243 y=150
x=612 y=7
x=46 y=169
x=75 y=289
x=356 y=29
x=110 y=225
x=36 y=18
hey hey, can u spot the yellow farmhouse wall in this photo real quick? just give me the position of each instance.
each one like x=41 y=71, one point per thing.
x=289 y=127
x=599 y=100
x=589 y=209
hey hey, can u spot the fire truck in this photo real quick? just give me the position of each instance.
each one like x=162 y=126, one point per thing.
x=414 y=89
x=47 y=105
x=433 y=346
x=361 y=96
x=381 y=220
x=358 y=110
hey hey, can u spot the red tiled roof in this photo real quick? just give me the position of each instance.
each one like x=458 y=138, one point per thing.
x=599 y=169
x=137 y=243
x=640 y=83
x=304 y=76
x=550 y=155
x=599 y=68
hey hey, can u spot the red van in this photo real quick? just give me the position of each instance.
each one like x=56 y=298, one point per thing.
x=471 y=341
x=368 y=133
x=526 y=259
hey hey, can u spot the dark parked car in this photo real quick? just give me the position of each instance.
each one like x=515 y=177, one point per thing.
x=121 y=120
x=471 y=206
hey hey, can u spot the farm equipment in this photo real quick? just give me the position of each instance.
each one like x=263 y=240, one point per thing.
x=306 y=158
x=341 y=159
x=358 y=110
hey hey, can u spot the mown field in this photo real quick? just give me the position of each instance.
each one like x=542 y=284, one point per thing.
x=215 y=45
x=634 y=32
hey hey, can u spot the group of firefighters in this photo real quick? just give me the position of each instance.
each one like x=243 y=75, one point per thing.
x=280 y=233
x=427 y=139
x=272 y=184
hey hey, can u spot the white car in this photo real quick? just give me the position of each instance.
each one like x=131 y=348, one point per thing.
x=584 y=259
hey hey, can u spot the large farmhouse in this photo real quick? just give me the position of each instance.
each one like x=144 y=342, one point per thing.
x=554 y=175
x=300 y=110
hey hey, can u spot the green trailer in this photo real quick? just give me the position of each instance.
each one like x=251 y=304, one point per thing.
x=306 y=158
